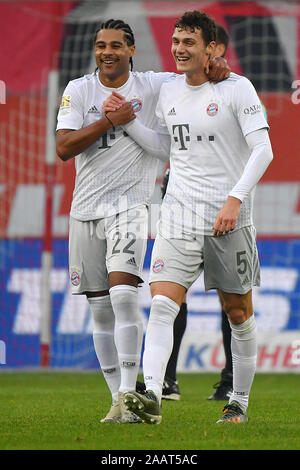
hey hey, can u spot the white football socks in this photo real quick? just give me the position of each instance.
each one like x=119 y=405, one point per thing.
x=104 y=343
x=128 y=333
x=159 y=342
x=244 y=354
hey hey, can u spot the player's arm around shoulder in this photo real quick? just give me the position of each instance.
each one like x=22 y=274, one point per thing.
x=156 y=79
x=217 y=69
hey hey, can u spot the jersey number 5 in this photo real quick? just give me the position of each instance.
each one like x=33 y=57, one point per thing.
x=241 y=261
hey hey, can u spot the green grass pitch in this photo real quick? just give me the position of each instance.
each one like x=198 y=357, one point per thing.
x=61 y=411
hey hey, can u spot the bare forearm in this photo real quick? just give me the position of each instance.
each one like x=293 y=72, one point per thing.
x=70 y=143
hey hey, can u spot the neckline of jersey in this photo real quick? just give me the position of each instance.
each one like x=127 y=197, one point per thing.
x=196 y=87
x=111 y=88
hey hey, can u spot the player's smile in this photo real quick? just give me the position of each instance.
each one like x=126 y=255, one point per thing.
x=109 y=62
x=182 y=59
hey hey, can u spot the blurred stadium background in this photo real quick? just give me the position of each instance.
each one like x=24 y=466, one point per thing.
x=44 y=44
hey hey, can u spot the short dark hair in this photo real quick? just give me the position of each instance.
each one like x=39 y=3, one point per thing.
x=118 y=24
x=222 y=36
x=198 y=20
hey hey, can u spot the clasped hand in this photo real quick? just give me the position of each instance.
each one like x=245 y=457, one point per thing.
x=117 y=109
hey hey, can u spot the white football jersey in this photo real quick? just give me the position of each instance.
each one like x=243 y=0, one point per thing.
x=114 y=174
x=208 y=125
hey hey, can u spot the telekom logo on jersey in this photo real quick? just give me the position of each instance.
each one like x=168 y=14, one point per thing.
x=181 y=135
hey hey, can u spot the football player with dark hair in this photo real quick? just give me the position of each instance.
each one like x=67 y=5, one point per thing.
x=115 y=179
x=223 y=388
x=219 y=150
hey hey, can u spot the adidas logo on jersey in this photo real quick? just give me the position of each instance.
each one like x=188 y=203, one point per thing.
x=93 y=109
x=172 y=112
x=131 y=261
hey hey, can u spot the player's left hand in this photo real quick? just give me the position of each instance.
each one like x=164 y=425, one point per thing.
x=113 y=102
x=217 y=69
x=121 y=116
x=227 y=217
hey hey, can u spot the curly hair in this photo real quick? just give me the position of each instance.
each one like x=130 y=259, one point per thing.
x=195 y=19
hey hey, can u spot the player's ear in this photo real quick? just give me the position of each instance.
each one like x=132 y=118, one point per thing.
x=131 y=50
x=211 y=48
x=210 y=52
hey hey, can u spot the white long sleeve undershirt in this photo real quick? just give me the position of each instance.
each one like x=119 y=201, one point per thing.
x=261 y=156
x=153 y=142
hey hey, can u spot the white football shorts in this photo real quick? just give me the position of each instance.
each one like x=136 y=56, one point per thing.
x=99 y=247
x=230 y=262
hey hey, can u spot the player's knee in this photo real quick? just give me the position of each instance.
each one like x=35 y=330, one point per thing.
x=238 y=309
x=163 y=310
x=102 y=313
x=125 y=303
x=170 y=290
x=237 y=314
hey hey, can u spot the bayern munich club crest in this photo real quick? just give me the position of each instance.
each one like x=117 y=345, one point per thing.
x=158 y=265
x=136 y=104
x=212 y=109
x=75 y=278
